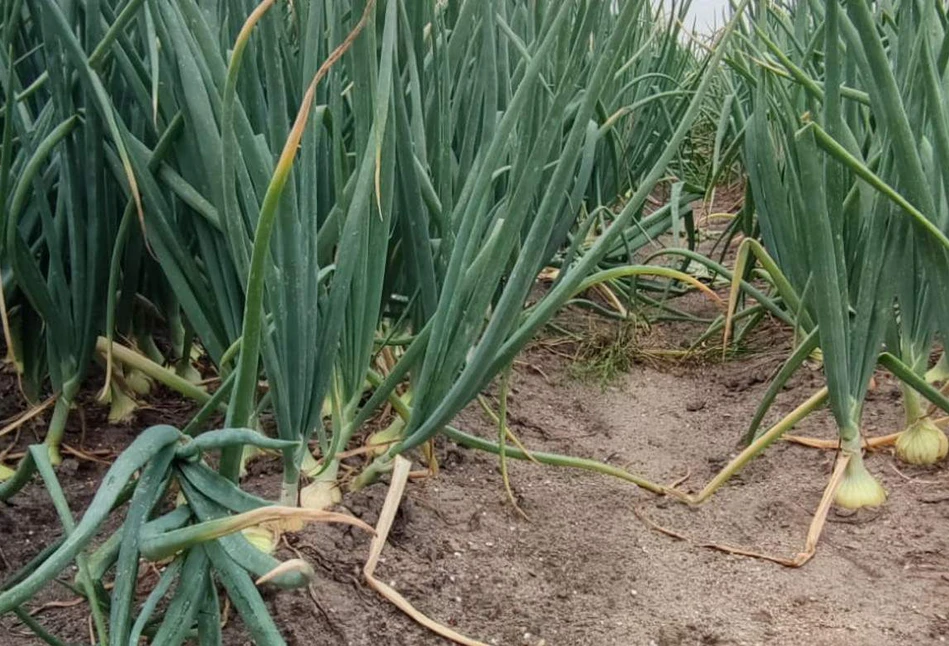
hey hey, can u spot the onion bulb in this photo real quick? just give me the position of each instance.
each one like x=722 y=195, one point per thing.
x=859 y=488
x=922 y=443
x=260 y=537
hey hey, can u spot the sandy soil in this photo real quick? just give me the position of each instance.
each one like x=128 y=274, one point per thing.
x=585 y=569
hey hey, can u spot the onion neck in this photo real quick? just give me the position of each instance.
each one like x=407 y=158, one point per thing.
x=912 y=405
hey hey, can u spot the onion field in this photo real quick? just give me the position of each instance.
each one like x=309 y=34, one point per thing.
x=473 y=321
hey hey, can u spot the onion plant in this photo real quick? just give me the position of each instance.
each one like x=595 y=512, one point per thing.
x=59 y=197
x=193 y=540
x=499 y=219
x=480 y=322
x=843 y=187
